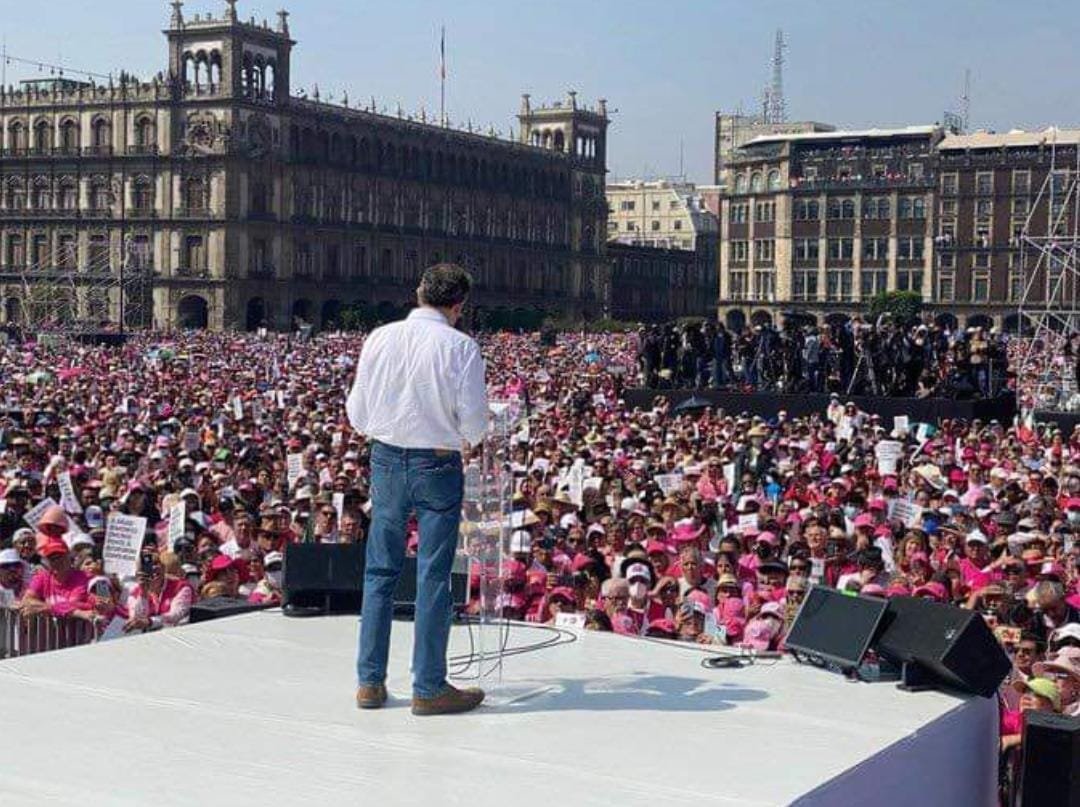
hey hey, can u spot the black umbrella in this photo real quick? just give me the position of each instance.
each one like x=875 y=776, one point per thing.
x=692 y=404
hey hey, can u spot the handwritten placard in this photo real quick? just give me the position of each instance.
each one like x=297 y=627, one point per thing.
x=123 y=543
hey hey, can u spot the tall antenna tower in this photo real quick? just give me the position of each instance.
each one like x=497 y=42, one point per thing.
x=965 y=102
x=775 y=108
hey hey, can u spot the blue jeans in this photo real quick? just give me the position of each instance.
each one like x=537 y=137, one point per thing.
x=431 y=484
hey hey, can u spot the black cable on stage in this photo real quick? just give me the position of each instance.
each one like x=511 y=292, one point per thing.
x=461 y=663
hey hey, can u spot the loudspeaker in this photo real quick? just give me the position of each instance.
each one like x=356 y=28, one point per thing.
x=1050 y=772
x=218 y=607
x=326 y=578
x=834 y=627
x=329 y=579
x=942 y=644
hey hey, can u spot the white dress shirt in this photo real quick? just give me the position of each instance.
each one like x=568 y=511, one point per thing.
x=420 y=384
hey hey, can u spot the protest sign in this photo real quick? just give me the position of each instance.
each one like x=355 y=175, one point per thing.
x=68 y=498
x=339 y=504
x=123 y=543
x=34 y=514
x=593 y=482
x=729 y=476
x=238 y=408
x=888 y=453
x=575 y=486
x=191 y=441
x=669 y=483
x=177 y=516
x=902 y=424
x=747 y=521
x=907 y=512
x=570 y=621
x=295 y=468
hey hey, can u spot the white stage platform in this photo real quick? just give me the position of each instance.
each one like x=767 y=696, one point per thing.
x=259 y=710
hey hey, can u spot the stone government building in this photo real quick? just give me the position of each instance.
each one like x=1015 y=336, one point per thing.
x=245 y=205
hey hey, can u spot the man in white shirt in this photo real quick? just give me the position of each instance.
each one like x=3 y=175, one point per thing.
x=419 y=396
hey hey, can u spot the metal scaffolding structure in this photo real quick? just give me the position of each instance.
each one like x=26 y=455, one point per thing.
x=1050 y=257
x=70 y=300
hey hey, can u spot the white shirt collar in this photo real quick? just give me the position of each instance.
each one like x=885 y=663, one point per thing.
x=428 y=313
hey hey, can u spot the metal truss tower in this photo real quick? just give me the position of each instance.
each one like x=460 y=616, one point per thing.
x=67 y=300
x=1050 y=257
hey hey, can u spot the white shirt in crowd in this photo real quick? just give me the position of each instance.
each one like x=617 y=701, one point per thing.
x=420 y=384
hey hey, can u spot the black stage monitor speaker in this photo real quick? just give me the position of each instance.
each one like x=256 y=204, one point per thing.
x=323 y=578
x=835 y=627
x=1050 y=774
x=329 y=578
x=942 y=644
x=218 y=607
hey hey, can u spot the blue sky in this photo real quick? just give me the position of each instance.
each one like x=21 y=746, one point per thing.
x=665 y=66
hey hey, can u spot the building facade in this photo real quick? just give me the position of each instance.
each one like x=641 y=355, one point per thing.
x=662 y=241
x=657 y=284
x=734 y=130
x=821 y=222
x=669 y=215
x=245 y=205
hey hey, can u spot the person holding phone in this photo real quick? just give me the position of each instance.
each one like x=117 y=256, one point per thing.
x=158 y=600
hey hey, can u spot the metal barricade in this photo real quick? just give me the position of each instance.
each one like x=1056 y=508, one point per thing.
x=25 y=634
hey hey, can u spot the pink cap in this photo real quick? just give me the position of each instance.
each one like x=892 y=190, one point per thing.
x=935 y=591
x=863 y=520
x=768 y=538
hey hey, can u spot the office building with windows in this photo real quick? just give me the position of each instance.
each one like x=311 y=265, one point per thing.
x=821 y=222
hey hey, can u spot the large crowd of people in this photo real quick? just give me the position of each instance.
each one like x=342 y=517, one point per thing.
x=851 y=357
x=701 y=527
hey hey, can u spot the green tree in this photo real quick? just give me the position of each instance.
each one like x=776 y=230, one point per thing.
x=904 y=306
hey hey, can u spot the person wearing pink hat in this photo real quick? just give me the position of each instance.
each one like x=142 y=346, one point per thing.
x=58 y=588
x=933 y=591
x=763 y=632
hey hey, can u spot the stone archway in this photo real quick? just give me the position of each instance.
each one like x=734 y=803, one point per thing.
x=735 y=320
x=192 y=313
x=13 y=310
x=331 y=314
x=761 y=317
x=303 y=310
x=980 y=321
x=256 y=314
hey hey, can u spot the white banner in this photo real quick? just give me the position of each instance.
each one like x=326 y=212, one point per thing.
x=123 y=543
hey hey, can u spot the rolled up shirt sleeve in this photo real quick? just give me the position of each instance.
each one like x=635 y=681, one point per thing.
x=472 y=406
x=356 y=405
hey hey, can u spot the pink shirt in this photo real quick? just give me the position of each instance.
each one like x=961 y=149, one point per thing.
x=65 y=597
x=170 y=607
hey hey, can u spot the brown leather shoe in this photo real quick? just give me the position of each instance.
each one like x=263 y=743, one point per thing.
x=451 y=701
x=371 y=697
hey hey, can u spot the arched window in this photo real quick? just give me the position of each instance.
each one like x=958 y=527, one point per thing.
x=755 y=182
x=15 y=195
x=69 y=136
x=560 y=142
x=39 y=194
x=193 y=196
x=142 y=195
x=145 y=134
x=43 y=137
x=16 y=137
x=740 y=183
x=774 y=180
x=100 y=196
x=100 y=135
x=67 y=196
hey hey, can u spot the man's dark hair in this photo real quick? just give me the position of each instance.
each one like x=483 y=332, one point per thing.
x=444 y=285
